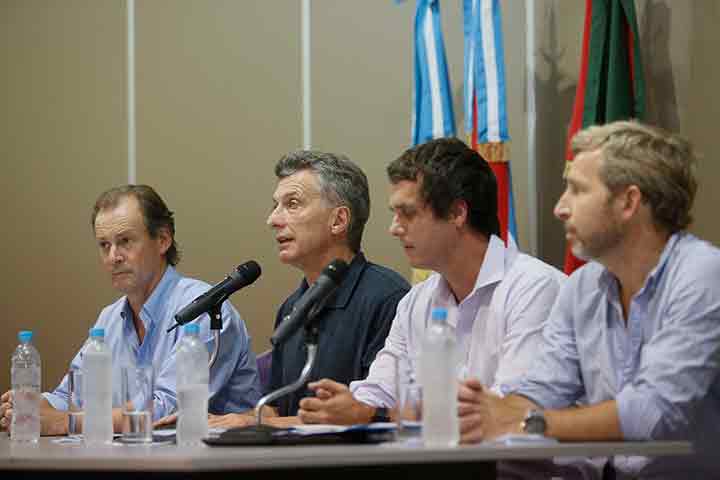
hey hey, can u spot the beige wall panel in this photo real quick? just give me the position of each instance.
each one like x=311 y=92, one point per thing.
x=704 y=110
x=62 y=140
x=559 y=29
x=362 y=99
x=218 y=94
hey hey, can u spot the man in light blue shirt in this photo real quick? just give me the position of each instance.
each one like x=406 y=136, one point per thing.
x=636 y=332
x=135 y=233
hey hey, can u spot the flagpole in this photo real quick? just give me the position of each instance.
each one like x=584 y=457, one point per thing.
x=305 y=68
x=132 y=167
x=531 y=125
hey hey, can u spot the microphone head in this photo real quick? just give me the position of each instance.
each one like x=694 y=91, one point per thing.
x=249 y=271
x=336 y=270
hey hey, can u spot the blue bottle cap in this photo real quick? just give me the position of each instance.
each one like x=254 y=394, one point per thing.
x=25 y=336
x=97 y=332
x=439 y=313
x=192 y=328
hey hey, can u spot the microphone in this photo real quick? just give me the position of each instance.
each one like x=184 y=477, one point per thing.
x=318 y=292
x=242 y=276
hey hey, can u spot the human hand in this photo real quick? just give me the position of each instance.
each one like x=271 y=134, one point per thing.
x=52 y=421
x=166 y=421
x=484 y=415
x=232 y=420
x=333 y=403
x=5 y=411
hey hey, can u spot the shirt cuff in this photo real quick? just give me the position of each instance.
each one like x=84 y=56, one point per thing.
x=371 y=395
x=639 y=414
x=57 y=402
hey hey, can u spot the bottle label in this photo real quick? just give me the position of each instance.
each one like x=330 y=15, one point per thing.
x=26 y=377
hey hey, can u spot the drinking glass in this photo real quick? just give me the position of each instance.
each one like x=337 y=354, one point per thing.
x=138 y=383
x=76 y=405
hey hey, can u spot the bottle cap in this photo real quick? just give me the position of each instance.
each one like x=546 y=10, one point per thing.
x=439 y=313
x=25 y=336
x=97 y=332
x=192 y=328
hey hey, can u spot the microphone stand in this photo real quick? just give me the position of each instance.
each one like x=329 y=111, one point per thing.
x=311 y=342
x=215 y=325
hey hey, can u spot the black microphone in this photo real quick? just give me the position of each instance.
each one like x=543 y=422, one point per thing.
x=242 y=276
x=318 y=292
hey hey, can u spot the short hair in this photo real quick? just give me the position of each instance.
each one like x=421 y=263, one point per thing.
x=155 y=212
x=341 y=181
x=659 y=163
x=449 y=170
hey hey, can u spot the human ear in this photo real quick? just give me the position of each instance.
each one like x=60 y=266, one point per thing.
x=459 y=212
x=340 y=220
x=164 y=239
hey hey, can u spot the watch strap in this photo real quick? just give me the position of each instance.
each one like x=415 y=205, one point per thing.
x=382 y=414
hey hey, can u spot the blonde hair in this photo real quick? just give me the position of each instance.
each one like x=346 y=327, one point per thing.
x=661 y=164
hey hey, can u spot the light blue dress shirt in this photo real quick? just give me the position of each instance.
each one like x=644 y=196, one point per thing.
x=234 y=384
x=663 y=369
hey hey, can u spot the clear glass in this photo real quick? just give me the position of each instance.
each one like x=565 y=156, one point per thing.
x=138 y=383
x=410 y=413
x=76 y=407
x=407 y=412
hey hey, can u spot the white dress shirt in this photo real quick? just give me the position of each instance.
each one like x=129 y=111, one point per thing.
x=498 y=325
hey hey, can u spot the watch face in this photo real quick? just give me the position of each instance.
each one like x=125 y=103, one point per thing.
x=535 y=423
x=381 y=415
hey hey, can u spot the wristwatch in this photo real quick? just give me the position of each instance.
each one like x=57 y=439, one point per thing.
x=381 y=414
x=534 y=422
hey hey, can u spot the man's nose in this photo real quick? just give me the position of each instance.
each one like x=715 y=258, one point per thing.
x=561 y=210
x=116 y=255
x=273 y=218
x=395 y=228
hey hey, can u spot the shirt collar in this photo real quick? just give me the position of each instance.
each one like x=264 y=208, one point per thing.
x=657 y=272
x=344 y=292
x=157 y=301
x=607 y=280
x=492 y=270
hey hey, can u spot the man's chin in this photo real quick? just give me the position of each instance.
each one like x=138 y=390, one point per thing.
x=419 y=265
x=287 y=258
x=580 y=253
x=121 y=285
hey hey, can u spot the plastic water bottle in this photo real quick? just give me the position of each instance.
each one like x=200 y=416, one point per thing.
x=438 y=374
x=97 y=375
x=25 y=373
x=193 y=375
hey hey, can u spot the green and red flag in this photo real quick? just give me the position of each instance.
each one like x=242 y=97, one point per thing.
x=611 y=85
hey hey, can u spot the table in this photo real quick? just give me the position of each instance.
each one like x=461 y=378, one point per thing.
x=48 y=459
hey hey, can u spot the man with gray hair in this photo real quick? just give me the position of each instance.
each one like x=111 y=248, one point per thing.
x=637 y=330
x=320 y=208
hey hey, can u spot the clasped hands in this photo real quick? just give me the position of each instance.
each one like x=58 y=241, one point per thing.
x=482 y=414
